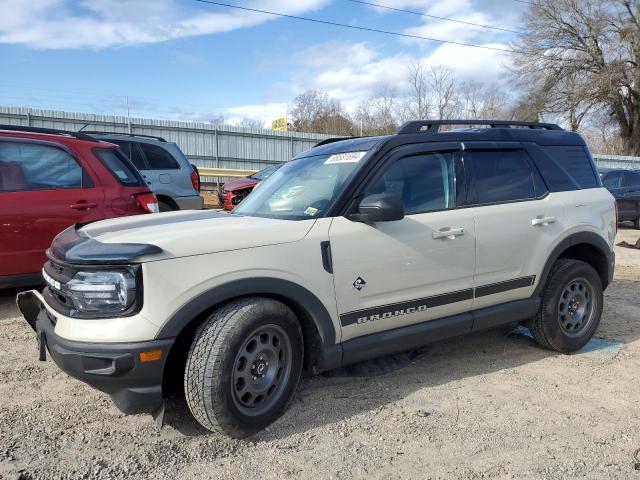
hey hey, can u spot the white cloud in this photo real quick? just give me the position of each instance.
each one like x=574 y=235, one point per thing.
x=266 y=112
x=353 y=83
x=49 y=24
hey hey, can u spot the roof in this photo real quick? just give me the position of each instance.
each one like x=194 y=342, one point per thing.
x=125 y=136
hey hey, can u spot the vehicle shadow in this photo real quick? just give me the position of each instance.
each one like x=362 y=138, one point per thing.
x=336 y=396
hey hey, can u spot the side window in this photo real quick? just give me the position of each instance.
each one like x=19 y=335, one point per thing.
x=569 y=164
x=612 y=180
x=424 y=182
x=158 y=158
x=631 y=179
x=500 y=176
x=26 y=166
x=118 y=165
x=133 y=153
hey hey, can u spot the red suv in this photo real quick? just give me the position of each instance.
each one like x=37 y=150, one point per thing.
x=51 y=179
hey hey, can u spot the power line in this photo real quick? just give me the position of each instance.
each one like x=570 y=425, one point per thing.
x=354 y=27
x=434 y=16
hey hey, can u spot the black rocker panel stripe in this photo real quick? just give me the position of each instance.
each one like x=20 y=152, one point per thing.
x=412 y=306
x=505 y=286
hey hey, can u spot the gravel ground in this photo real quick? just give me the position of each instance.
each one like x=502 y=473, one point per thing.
x=491 y=405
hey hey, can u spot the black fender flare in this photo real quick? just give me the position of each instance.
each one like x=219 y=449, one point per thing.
x=289 y=291
x=577 y=238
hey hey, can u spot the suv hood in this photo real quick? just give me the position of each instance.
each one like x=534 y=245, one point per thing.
x=197 y=232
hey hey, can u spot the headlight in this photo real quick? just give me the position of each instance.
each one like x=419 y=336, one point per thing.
x=95 y=294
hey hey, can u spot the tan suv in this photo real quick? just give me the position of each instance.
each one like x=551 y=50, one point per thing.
x=354 y=249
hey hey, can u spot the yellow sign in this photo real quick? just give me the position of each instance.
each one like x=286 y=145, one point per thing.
x=279 y=124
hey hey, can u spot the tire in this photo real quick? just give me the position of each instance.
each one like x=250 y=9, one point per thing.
x=636 y=223
x=244 y=366
x=571 y=307
x=165 y=207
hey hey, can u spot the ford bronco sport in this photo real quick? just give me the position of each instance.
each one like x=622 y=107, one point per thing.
x=356 y=248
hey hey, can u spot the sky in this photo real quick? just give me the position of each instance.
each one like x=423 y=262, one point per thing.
x=191 y=60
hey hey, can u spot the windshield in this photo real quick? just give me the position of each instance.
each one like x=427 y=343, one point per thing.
x=302 y=188
x=265 y=173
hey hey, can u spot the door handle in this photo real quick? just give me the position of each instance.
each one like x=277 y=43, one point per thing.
x=83 y=205
x=448 y=232
x=542 y=220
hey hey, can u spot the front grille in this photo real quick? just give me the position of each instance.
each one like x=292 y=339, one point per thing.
x=55 y=297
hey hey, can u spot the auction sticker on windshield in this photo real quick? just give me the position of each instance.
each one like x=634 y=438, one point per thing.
x=348 y=157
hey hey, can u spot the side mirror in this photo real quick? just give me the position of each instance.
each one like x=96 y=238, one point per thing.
x=379 y=207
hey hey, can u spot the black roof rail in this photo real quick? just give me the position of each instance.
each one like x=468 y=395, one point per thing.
x=433 y=126
x=96 y=132
x=49 y=131
x=327 y=141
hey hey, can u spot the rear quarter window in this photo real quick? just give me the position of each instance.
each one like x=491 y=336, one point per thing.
x=567 y=168
x=133 y=153
x=158 y=158
x=119 y=166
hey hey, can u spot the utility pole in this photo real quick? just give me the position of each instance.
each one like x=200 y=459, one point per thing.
x=128 y=114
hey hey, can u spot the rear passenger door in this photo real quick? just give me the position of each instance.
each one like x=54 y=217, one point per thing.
x=612 y=181
x=43 y=190
x=631 y=193
x=517 y=222
x=162 y=167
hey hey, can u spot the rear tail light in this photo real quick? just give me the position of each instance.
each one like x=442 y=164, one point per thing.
x=195 y=181
x=148 y=202
x=615 y=204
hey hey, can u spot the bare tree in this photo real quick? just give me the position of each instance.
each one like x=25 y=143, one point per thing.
x=314 y=111
x=377 y=115
x=442 y=83
x=254 y=123
x=583 y=55
x=418 y=103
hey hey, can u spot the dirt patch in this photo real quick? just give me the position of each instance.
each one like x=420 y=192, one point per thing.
x=490 y=405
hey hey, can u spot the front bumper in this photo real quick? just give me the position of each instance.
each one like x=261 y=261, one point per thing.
x=114 y=368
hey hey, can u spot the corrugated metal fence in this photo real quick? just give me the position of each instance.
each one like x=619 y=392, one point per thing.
x=207 y=145
x=616 y=161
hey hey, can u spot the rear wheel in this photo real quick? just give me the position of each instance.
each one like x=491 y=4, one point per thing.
x=571 y=307
x=636 y=223
x=244 y=366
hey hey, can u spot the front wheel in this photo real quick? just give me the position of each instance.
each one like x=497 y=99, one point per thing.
x=571 y=307
x=244 y=366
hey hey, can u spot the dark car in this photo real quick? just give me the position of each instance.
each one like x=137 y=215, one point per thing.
x=49 y=180
x=233 y=192
x=624 y=185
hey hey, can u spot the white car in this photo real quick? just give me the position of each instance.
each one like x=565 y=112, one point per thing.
x=356 y=248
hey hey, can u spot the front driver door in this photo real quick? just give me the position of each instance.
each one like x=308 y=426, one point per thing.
x=393 y=274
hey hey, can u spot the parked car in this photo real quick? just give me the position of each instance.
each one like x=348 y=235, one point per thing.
x=50 y=179
x=388 y=243
x=624 y=185
x=233 y=192
x=167 y=171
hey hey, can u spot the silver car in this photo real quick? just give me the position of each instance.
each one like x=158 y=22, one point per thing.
x=167 y=171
